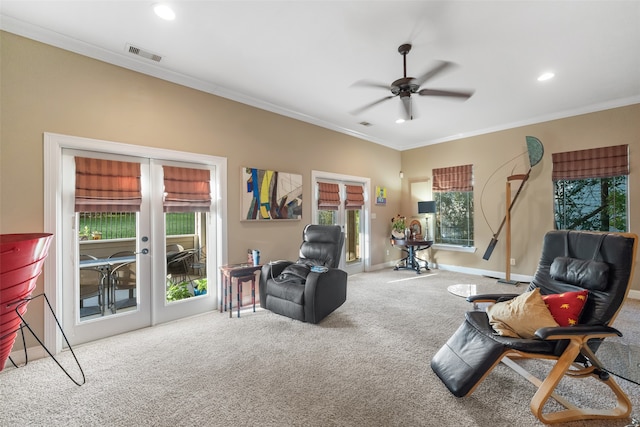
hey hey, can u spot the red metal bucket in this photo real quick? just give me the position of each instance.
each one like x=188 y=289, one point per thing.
x=12 y=315
x=21 y=259
x=18 y=250
x=20 y=274
x=16 y=292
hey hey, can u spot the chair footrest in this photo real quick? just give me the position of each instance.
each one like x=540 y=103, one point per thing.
x=465 y=359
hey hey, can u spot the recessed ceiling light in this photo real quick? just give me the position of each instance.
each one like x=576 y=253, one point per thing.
x=400 y=121
x=164 y=12
x=546 y=76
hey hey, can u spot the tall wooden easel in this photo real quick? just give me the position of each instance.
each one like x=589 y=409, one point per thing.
x=507 y=223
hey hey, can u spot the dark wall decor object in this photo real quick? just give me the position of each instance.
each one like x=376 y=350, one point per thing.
x=535 y=151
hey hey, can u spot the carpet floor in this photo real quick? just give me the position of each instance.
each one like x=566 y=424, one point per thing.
x=366 y=364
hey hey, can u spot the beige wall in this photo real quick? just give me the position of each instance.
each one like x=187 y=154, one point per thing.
x=45 y=89
x=532 y=215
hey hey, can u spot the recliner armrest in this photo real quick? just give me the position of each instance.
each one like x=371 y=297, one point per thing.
x=564 y=332
x=273 y=269
x=323 y=293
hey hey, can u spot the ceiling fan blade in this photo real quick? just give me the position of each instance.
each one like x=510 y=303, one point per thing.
x=451 y=93
x=406 y=103
x=442 y=66
x=369 y=83
x=372 y=104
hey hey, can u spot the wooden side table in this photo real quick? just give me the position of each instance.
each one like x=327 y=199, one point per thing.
x=242 y=273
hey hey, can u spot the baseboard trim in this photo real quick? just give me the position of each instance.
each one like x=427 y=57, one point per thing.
x=481 y=272
x=33 y=353
x=633 y=294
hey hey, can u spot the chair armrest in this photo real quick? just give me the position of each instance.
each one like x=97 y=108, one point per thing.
x=268 y=271
x=566 y=332
x=491 y=297
x=277 y=266
x=323 y=292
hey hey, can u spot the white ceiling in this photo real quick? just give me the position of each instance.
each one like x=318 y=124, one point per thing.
x=301 y=58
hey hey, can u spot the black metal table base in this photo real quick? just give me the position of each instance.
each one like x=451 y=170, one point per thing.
x=411 y=261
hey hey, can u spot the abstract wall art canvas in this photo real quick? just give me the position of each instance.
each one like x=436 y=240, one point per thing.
x=271 y=195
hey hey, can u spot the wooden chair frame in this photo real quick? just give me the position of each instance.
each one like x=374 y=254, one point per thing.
x=565 y=365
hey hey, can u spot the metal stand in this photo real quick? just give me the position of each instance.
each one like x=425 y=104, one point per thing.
x=24 y=324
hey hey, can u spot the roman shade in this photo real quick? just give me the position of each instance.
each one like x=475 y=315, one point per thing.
x=355 y=197
x=454 y=178
x=107 y=186
x=328 y=196
x=600 y=162
x=186 y=189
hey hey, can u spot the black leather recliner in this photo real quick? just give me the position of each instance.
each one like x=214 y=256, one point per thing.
x=294 y=290
x=601 y=263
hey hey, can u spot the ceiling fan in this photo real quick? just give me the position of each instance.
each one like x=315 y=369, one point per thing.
x=406 y=86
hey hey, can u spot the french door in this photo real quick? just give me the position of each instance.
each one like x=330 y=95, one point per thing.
x=352 y=218
x=117 y=271
x=99 y=262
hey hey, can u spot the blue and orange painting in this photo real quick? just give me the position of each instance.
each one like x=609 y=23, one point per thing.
x=271 y=195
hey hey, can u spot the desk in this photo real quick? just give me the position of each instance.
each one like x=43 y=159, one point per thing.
x=105 y=266
x=242 y=273
x=411 y=248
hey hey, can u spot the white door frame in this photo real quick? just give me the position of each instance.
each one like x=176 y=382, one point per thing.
x=366 y=209
x=53 y=220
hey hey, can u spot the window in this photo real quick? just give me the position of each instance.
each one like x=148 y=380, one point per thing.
x=453 y=194
x=590 y=189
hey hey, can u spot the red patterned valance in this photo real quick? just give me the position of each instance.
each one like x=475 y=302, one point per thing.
x=592 y=163
x=454 y=178
x=107 y=186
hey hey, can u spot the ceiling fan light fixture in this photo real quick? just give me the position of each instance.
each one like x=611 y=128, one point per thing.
x=164 y=11
x=406 y=86
x=546 y=76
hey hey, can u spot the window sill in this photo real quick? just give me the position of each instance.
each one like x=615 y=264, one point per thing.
x=454 y=248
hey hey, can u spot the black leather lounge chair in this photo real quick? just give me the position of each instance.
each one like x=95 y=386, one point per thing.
x=571 y=261
x=295 y=290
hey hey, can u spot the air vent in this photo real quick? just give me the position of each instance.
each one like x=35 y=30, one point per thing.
x=367 y=124
x=143 y=53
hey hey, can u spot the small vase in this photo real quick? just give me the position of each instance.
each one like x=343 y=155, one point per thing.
x=397 y=234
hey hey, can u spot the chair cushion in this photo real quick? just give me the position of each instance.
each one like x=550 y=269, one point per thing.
x=586 y=273
x=289 y=290
x=566 y=307
x=297 y=272
x=521 y=316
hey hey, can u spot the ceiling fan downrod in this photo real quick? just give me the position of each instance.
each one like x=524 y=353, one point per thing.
x=404 y=49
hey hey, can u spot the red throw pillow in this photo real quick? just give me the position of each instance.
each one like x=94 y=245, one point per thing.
x=566 y=307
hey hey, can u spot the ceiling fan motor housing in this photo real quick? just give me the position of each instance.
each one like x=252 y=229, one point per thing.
x=404 y=85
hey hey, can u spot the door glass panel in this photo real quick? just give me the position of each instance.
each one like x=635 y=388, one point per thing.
x=352 y=236
x=108 y=283
x=326 y=217
x=186 y=241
